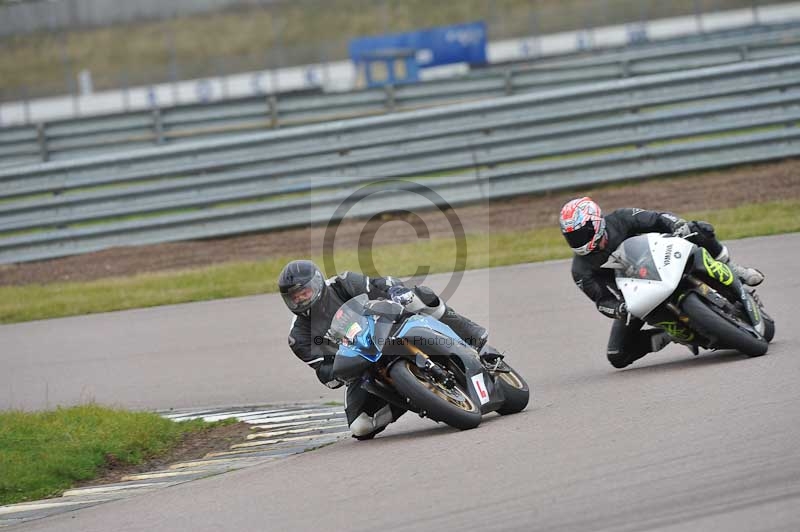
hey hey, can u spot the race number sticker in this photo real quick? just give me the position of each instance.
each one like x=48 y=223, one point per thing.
x=480 y=387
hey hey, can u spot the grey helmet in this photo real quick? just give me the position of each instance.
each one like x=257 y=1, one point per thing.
x=301 y=285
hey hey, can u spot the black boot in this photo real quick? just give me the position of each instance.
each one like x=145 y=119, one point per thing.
x=468 y=330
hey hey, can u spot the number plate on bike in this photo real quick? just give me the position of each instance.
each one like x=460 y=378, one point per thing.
x=480 y=387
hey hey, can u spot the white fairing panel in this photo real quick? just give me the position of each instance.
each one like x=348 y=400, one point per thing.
x=642 y=292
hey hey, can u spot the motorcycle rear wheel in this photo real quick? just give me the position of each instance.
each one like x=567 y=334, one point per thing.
x=728 y=335
x=451 y=406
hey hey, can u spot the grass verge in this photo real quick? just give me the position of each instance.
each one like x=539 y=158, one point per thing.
x=42 y=454
x=32 y=302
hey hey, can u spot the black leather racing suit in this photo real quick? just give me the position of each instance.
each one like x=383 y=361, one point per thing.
x=627 y=342
x=307 y=337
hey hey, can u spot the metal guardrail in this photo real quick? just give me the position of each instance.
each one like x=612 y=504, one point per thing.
x=95 y=135
x=609 y=131
x=744 y=40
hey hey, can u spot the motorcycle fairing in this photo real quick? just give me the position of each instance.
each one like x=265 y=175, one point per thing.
x=420 y=320
x=705 y=264
x=351 y=351
x=353 y=358
x=427 y=336
x=649 y=268
x=364 y=343
x=350 y=363
x=435 y=338
x=678 y=332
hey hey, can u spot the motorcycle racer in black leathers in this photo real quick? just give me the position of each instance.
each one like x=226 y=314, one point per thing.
x=314 y=301
x=593 y=237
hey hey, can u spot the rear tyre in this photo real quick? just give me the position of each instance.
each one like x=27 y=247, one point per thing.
x=515 y=390
x=448 y=405
x=727 y=334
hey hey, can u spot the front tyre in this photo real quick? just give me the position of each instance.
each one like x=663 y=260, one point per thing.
x=726 y=333
x=515 y=390
x=448 y=405
x=769 y=326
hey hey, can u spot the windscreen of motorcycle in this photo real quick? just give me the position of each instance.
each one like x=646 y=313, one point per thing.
x=350 y=321
x=652 y=268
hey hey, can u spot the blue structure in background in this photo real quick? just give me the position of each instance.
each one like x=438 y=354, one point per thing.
x=397 y=58
x=389 y=66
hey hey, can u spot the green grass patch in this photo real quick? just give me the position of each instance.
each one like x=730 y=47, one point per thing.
x=42 y=454
x=32 y=302
x=717 y=136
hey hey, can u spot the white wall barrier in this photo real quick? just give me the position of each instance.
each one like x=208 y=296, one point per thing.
x=341 y=75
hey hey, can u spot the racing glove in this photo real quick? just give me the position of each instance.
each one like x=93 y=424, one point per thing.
x=401 y=294
x=408 y=298
x=703 y=229
x=683 y=229
x=325 y=374
x=617 y=310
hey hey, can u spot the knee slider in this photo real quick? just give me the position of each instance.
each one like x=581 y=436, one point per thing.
x=618 y=359
x=362 y=425
x=365 y=424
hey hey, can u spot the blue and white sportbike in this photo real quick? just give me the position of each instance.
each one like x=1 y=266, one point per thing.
x=418 y=363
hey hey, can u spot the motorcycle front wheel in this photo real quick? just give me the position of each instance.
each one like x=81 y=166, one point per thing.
x=727 y=334
x=769 y=326
x=438 y=402
x=515 y=390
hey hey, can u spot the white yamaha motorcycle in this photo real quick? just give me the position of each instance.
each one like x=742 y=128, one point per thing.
x=677 y=286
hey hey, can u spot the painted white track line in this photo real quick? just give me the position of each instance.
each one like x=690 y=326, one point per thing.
x=277 y=432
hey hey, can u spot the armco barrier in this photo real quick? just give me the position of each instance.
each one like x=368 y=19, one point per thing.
x=87 y=136
x=638 y=127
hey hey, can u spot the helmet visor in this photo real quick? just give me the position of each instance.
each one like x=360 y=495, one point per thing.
x=300 y=298
x=580 y=239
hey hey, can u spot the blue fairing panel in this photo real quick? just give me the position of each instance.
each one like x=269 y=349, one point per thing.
x=430 y=323
x=362 y=345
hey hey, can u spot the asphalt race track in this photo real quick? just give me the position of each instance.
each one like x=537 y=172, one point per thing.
x=674 y=442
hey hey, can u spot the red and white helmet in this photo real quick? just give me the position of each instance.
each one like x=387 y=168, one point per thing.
x=582 y=224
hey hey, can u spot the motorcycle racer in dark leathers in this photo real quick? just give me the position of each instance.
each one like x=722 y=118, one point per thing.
x=593 y=237
x=314 y=301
